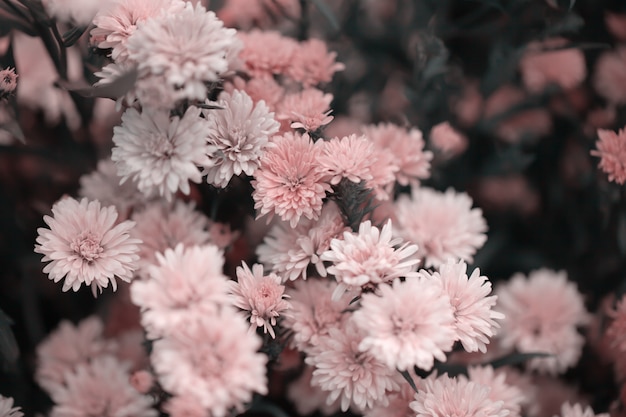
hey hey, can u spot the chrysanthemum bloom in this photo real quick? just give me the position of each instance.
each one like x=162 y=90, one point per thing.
x=160 y=153
x=443 y=225
x=577 y=410
x=267 y=90
x=75 y=12
x=473 y=307
x=237 y=135
x=85 y=245
x=614 y=339
x=312 y=64
x=541 y=66
x=308 y=398
x=184 y=406
x=612 y=151
x=309 y=109
x=383 y=170
x=447 y=139
x=289 y=251
x=262 y=296
x=511 y=396
x=350 y=157
x=266 y=53
x=118 y=20
x=313 y=311
x=103 y=185
x=68 y=346
x=100 y=387
x=407 y=149
x=8 y=81
x=397 y=404
x=407 y=324
x=187 y=284
x=358 y=379
x=162 y=226
x=142 y=381
x=609 y=78
x=369 y=257
x=263 y=13
x=289 y=181
x=445 y=396
x=215 y=361
x=541 y=313
x=189 y=48
x=7 y=409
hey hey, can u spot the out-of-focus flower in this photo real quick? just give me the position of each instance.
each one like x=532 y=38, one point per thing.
x=85 y=246
x=289 y=179
x=142 y=381
x=616 y=23
x=103 y=185
x=507 y=193
x=68 y=346
x=266 y=89
x=309 y=109
x=543 y=64
x=474 y=318
x=615 y=338
x=397 y=404
x=7 y=409
x=118 y=19
x=541 y=313
x=609 y=78
x=238 y=134
x=160 y=153
x=577 y=410
x=162 y=226
x=212 y=361
x=358 y=379
x=307 y=397
x=8 y=81
x=443 y=225
x=312 y=64
x=612 y=151
x=100 y=387
x=261 y=13
x=75 y=12
x=262 y=296
x=444 y=396
x=186 y=284
x=184 y=406
x=266 y=53
x=350 y=157
x=448 y=140
x=407 y=324
x=369 y=257
x=511 y=396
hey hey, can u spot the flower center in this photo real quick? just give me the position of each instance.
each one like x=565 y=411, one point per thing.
x=161 y=147
x=87 y=246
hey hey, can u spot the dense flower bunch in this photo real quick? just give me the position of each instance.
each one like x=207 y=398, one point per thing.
x=273 y=234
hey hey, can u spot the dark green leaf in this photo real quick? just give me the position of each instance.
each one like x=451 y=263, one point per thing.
x=328 y=13
x=516 y=359
x=409 y=379
x=73 y=35
x=113 y=90
x=9 y=351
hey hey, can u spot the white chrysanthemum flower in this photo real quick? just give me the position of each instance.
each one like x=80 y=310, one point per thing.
x=238 y=133
x=7 y=409
x=159 y=152
x=189 y=48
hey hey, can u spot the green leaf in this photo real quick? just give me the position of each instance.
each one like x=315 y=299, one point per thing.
x=328 y=14
x=113 y=90
x=73 y=35
x=516 y=359
x=9 y=351
x=409 y=379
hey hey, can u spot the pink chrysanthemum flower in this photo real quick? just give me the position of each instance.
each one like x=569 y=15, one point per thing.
x=383 y=170
x=309 y=109
x=350 y=157
x=312 y=64
x=98 y=388
x=262 y=296
x=85 y=246
x=7 y=409
x=358 y=379
x=447 y=139
x=444 y=225
x=511 y=396
x=614 y=338
x=612 y=151
x=289 y=179
x=474 y=318
x=313 y=311
x=290 y=251
x=542 y=312
x=212 y=361
x=407 y=149
x=118 y=20
x=262 y=13
x=266 y=53
x=162 y=226
x=541 y=66
x=397 y=404
x=103 y=185
x=369 y=257
x=445 y=396
x=609 y=77
x=577 y=410
x=68 y=346
x=187 y=284
x=160 y=153
x=189 y=48
x=8 y=81
x=237 y=135
x=407 y=324
x=184 y=406
x=267 y=90
x=308 y=398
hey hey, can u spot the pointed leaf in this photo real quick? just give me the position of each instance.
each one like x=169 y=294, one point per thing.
x=516 y=359
x=113 y=90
